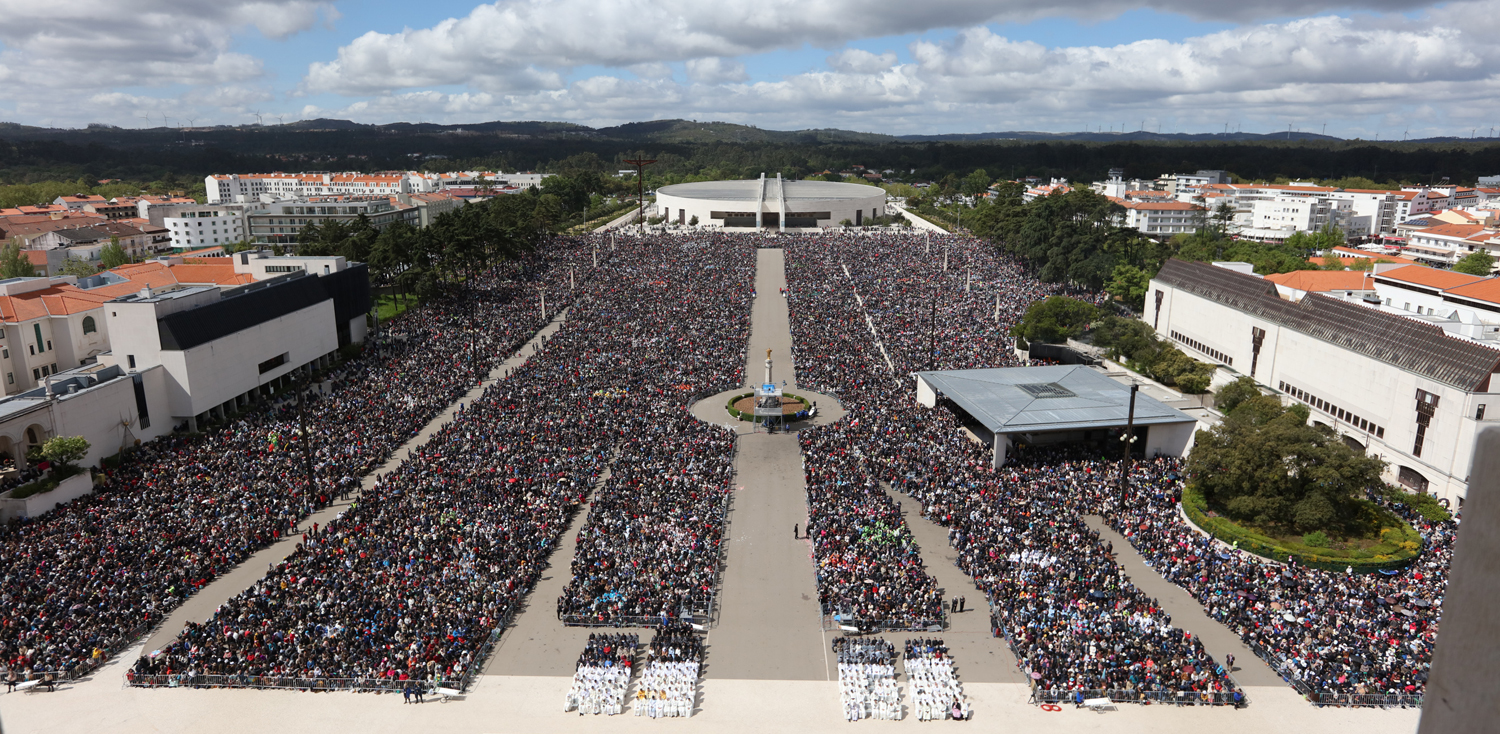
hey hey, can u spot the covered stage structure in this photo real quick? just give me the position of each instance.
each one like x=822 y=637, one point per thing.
x=1039 y=405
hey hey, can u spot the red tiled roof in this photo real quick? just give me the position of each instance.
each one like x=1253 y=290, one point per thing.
x=1323 y=281
x=1487 y=290
x=1429 y=277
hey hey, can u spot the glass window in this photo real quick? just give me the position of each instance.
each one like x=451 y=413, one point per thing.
x=88 y=325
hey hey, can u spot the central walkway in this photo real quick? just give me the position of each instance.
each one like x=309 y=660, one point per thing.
x=769 y=619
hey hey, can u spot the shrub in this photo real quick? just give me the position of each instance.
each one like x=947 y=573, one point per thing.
x=1316 y=539
x=65 y=450
x=1403 y=542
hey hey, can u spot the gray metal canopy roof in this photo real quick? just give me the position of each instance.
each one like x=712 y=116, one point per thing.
x=1056 y=398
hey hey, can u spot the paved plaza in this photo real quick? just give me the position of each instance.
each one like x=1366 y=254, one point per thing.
x=768 y=665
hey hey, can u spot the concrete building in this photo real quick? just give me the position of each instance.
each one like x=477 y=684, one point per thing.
x=194 y=226
x=249 y=188
x=218 y=348
x=103 y=404
x=431 y=206
x=770 y=203
x=1040 y=405
x=279 y=223
x=1396 y=387
x=47 y=326
x=1158 y=218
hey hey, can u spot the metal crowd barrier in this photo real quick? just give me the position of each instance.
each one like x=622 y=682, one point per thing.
x=1290 y=673
x=1176 y=698
x=191 y=680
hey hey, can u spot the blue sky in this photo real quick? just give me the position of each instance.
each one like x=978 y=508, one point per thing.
x=1377 y=67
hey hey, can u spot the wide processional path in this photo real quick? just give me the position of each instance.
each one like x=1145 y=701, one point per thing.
x=768 y=664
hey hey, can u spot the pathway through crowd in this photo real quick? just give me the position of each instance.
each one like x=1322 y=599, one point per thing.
x=202 y=605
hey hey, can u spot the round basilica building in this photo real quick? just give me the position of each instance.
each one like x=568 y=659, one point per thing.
x=770 y=203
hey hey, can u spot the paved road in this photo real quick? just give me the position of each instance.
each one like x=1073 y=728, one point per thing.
x=1187 y=613
x=203 y=604
x=768 y=624
x=978 y=655
x=537 y=643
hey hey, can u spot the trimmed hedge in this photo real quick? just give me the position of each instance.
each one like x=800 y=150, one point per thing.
x=751 y=416
x=1405 y=538
x=47 y=483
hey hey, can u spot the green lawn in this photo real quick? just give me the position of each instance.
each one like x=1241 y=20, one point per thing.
x=389 y=307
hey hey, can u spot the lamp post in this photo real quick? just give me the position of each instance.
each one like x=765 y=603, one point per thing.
x=1128 y=439
x=306 y=437
x=640 y=189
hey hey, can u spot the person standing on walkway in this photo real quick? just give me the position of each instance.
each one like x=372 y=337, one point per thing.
x=795 y=535
x=1229 y=662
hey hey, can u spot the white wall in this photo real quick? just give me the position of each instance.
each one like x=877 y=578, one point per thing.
x=1169 y=439
x=205 y=376
x=1368 y=388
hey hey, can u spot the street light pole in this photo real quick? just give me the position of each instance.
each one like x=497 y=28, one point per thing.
x=932 y=333
x=306 y=437
x=640 y=187
x=1128 y=439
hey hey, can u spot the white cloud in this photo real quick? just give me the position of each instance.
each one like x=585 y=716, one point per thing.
x=1264 y=76
x=714 y=70
x=96 y=43
x=859 y=61
x=490 y=46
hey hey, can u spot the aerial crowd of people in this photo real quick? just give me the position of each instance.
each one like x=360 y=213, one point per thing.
x=413 y=580
x=409 y=585
x=79 y=582
x=860 y=309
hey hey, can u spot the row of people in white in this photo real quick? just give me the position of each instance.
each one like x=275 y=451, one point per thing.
x=936 y=693
x=603 y=675
x=867 y=679
x=667 y=689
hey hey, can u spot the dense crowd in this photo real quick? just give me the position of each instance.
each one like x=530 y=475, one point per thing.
x=1335 y=632
x=669 y=685
x=867 y=678
x=76 y=583
x=1058 y=595
x=603 y=674
x=412 y=581
x=1073 y=617
x=936 y=693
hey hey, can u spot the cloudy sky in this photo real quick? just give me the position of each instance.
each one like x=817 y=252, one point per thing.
x=1374 y=68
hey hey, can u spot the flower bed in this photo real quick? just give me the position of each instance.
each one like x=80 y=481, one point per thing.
x=1396 y=548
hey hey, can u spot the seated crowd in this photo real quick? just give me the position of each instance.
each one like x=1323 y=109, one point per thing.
x=867 y=678
x=1076 y=621
x=936 y=693
x=1336 y=632
x=414 y=579
x=77 y=583
x=603 y=674
x=669 y=685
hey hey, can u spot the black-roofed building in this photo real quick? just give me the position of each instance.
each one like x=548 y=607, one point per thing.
x=1008 y=406
x=1398 y=387
x=222 y=348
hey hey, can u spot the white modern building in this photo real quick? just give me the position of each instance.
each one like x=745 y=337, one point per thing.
x=198 y=226
x=280 y=222
x=1396 y=387
x=219 y=347
x=243 y=188
x=766 y=203
x=1161 y=218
